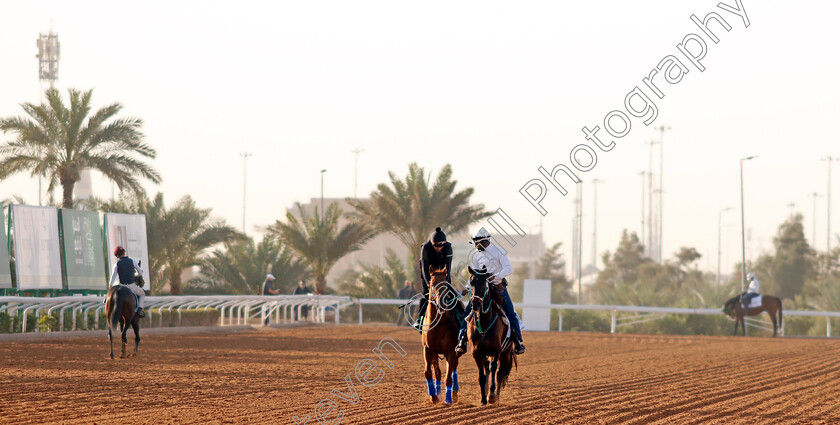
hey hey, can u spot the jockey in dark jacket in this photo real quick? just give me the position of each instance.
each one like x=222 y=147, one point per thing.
x=437 y=253
x=125 y=270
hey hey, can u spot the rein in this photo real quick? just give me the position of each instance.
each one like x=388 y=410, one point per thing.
x=486 y=310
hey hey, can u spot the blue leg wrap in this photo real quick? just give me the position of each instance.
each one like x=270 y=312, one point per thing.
x=437 y=387
x=448 y=395
x=455 y=380
x=431 y=385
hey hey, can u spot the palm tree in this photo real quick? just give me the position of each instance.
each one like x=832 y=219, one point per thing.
x=412 y=208
x=241 y=267
x=177 y=236
x=59 y=142
x=319 y=239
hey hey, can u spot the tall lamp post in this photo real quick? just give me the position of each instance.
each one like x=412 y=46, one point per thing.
x=322 y=193
x=244 y=156
x=595 y=224
x=743 y=233
x=356 y=152
x=828 y=159
x=720 y=216
x=662 y=129
x=644 y=175
x=651 y=250
x=580 y=240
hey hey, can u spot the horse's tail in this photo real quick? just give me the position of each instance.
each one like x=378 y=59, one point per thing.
x=506 y=365
x=114 y=307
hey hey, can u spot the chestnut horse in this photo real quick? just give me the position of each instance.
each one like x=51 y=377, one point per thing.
x=769 y=303
x=487 y=335
x=121 y=309
x=440 y=336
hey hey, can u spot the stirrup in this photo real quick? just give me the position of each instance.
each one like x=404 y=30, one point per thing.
x=519 y=348
x=461 y=348
x=140 y=313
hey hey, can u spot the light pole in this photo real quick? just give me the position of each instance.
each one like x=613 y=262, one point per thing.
x=814 y=195
x=651 y=252
x=643 y=174
x=580 y=240
x=743 y=237
x=662 y=129
x=356 y=152
x=244 y=156
x=720 y=217
x=322 y=194
x=595 y=223
x=828 y=159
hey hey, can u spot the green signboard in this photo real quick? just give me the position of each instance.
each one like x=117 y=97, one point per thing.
x=5 y=271
x=84 y=258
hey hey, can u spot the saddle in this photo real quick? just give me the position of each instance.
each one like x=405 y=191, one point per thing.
x=754 y=301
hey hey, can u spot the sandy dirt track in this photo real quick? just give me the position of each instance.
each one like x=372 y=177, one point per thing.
x=271 y=375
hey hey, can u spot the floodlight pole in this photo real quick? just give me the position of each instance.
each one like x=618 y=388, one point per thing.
x=743 y=233
x=244 y=156
x=322 y=194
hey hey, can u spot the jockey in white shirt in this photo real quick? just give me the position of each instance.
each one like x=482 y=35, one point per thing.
x=752 y=290
x=497 y=264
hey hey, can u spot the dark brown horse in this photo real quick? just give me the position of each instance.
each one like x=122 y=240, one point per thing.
x=487 y=335
x=440 y=336
x=121 y=309
x=769 y=303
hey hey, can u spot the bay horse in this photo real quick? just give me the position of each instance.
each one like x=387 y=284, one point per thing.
x=486 y=332
x=769 y=303
x=121 y=309
x=441 y=336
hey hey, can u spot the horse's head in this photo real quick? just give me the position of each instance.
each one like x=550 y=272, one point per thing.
x=478 y=280
x=438 y=284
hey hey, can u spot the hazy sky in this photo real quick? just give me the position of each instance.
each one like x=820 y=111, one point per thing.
x=495 y=89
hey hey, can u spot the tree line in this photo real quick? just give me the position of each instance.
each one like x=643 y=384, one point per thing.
x=57 y=141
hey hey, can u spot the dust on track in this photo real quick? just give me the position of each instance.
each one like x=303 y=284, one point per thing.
x=272 y=375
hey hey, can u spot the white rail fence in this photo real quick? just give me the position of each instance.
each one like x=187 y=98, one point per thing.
x=240 y=309
x=233 y=309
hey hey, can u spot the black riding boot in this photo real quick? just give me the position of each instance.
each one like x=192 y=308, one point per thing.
x=140 y=312
x=461 y=348
x=421 y=312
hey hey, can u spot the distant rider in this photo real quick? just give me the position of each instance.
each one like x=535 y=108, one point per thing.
x=124 y=269
x=752 y=290
x=498 y=267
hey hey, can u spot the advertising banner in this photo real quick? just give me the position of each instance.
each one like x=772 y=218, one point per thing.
x=5 y=271
x=129 y=232
x=37 y=250
x=84 y=255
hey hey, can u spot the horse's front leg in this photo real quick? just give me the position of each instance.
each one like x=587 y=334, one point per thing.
x=735 y=332
x=743 y=327
x=494 y=395
x=451 y=375
x=436 y=365
x=429 y=359
x=482 y=377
